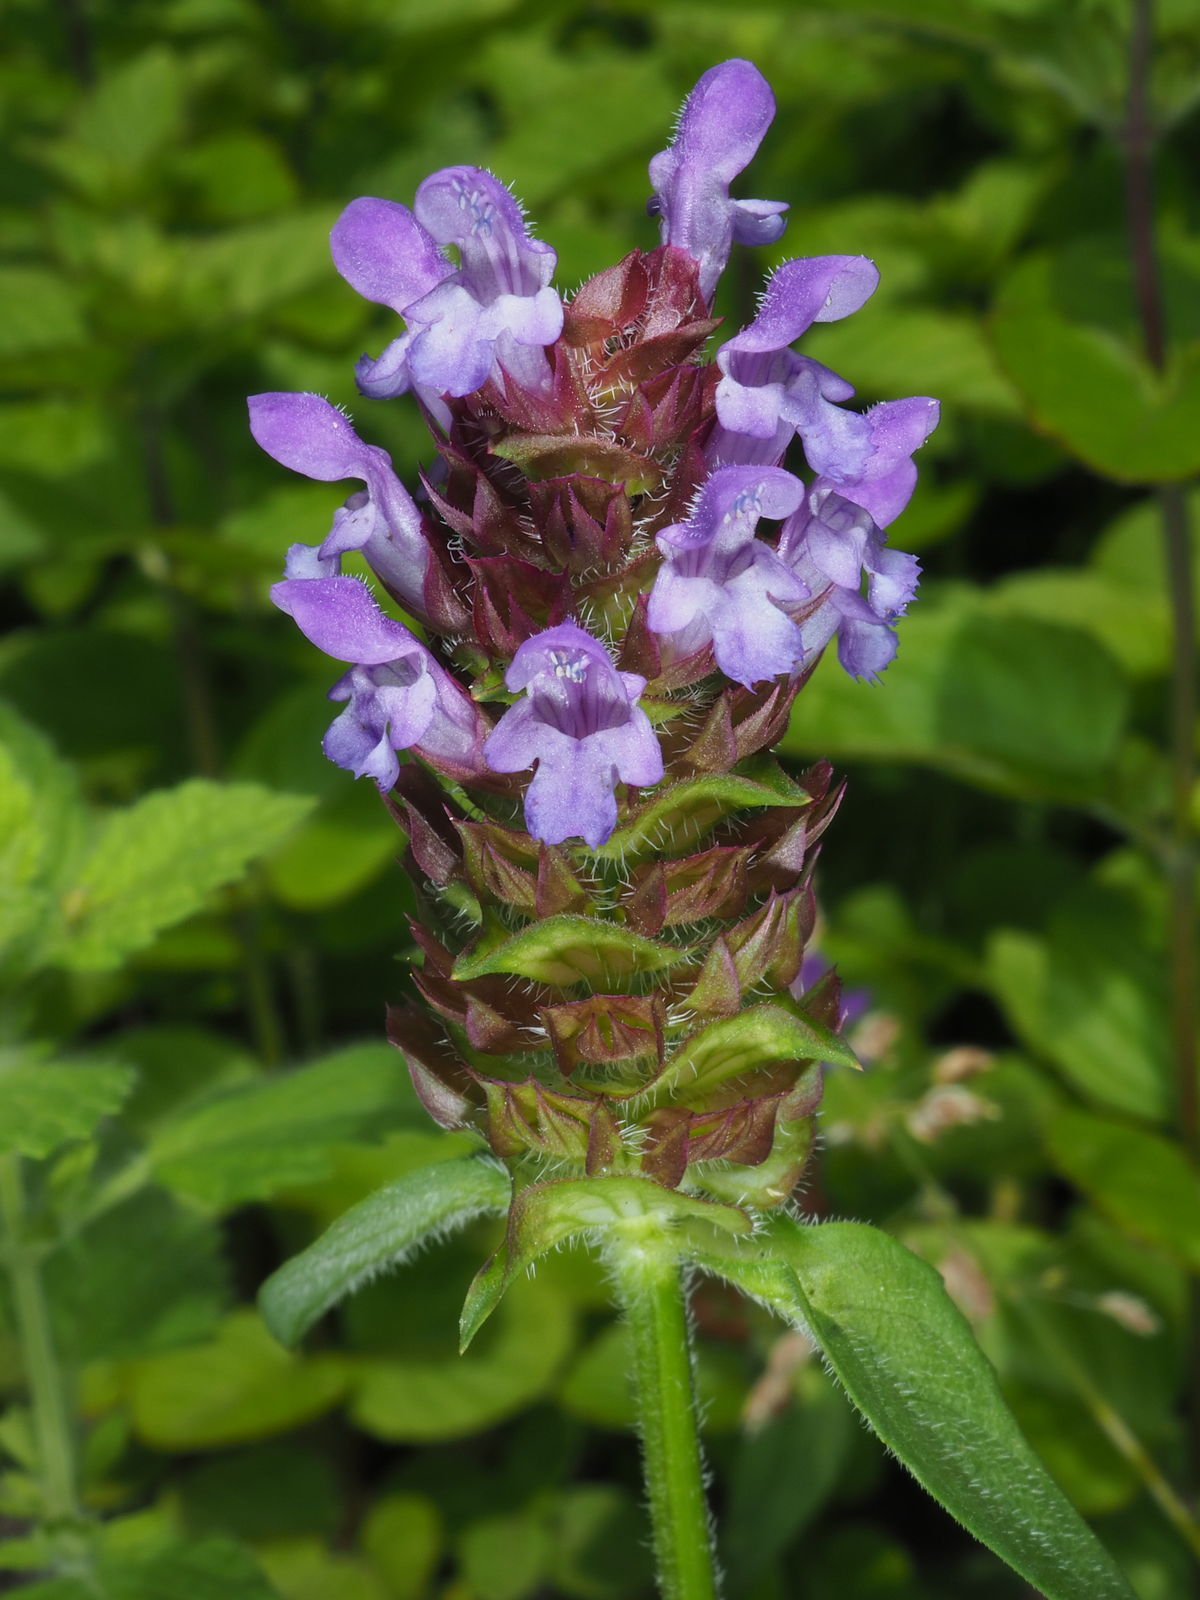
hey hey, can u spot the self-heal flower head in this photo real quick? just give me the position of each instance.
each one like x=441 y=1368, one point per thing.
x=720 y=128
x=307 y=434
x=399 y=697
x=720 y=583
x=580 y=722
x=830 y=544
x=767 y=391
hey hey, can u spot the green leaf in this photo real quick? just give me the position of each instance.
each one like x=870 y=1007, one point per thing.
x=1148 y=428
x=38 y=311
x=158 y=861
x=42 y=824
x=910 y=350
x=546 y=1215
x=1092 y=996
x=304 y=1569
x=908 y=1360
x=376 y=1236
x=205 y=1569
x=620 y=96
x=177 y=1065
x=45 y=1104
x=569 y=949
x=133 y=114
x=402 y=1535
x=504 y=1557
x=679 y=818
x=736 y=1045
x=600 y=1545
x=451 y=1396
x=279 y=1132
x=1129 y=553
x=1141 y=1181
x=241 y=1387
x=242 y=272
x=1133 y=626
x=349 y=837
x=169 y=1265
x=264 y=1491
x=784 y=1471
x=1022 y=706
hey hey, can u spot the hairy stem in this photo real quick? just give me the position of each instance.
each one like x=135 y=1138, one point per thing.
x=52 y=1425
x=650 y=1293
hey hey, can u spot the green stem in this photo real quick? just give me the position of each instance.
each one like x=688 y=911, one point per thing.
x=651 y=1295
x=52 y=1423
x=1114 y=1426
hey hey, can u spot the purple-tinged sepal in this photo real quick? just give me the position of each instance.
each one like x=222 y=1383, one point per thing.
x=720 y=583
x=720 y=128
x=307 y=434
x=580 y=722
x=398 y=696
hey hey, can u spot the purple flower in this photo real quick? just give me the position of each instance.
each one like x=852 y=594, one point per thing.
x=721 y=583
x=853 y=1004
x=872 y=465
x=307 y=434
x=381 y=250
x=720 y=128
x=767 y=392
x=492 y=314
x=830 y=544
x=579 y=721
x=399 y=697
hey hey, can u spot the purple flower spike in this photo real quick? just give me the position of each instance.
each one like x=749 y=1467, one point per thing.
x=580 y=722
x=399 y=695
x=720 y=128
x=721 y=583
x=830 y=543
x=767 y=391
x=307 y=434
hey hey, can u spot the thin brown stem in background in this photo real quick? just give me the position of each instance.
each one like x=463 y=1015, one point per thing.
x=1139 y=147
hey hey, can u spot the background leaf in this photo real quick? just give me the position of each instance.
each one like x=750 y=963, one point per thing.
x=909 y=1361
x=158 y=862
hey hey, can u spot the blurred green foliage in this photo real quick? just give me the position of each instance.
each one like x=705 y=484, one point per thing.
x=201 y=920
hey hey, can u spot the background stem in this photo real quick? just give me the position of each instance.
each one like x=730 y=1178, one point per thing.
x=1138 y=139
x=651 y=1295
x=52 y=1426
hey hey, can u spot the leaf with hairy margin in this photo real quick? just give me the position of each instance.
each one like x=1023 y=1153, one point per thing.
x=908 y=1360
x=376 y=1235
